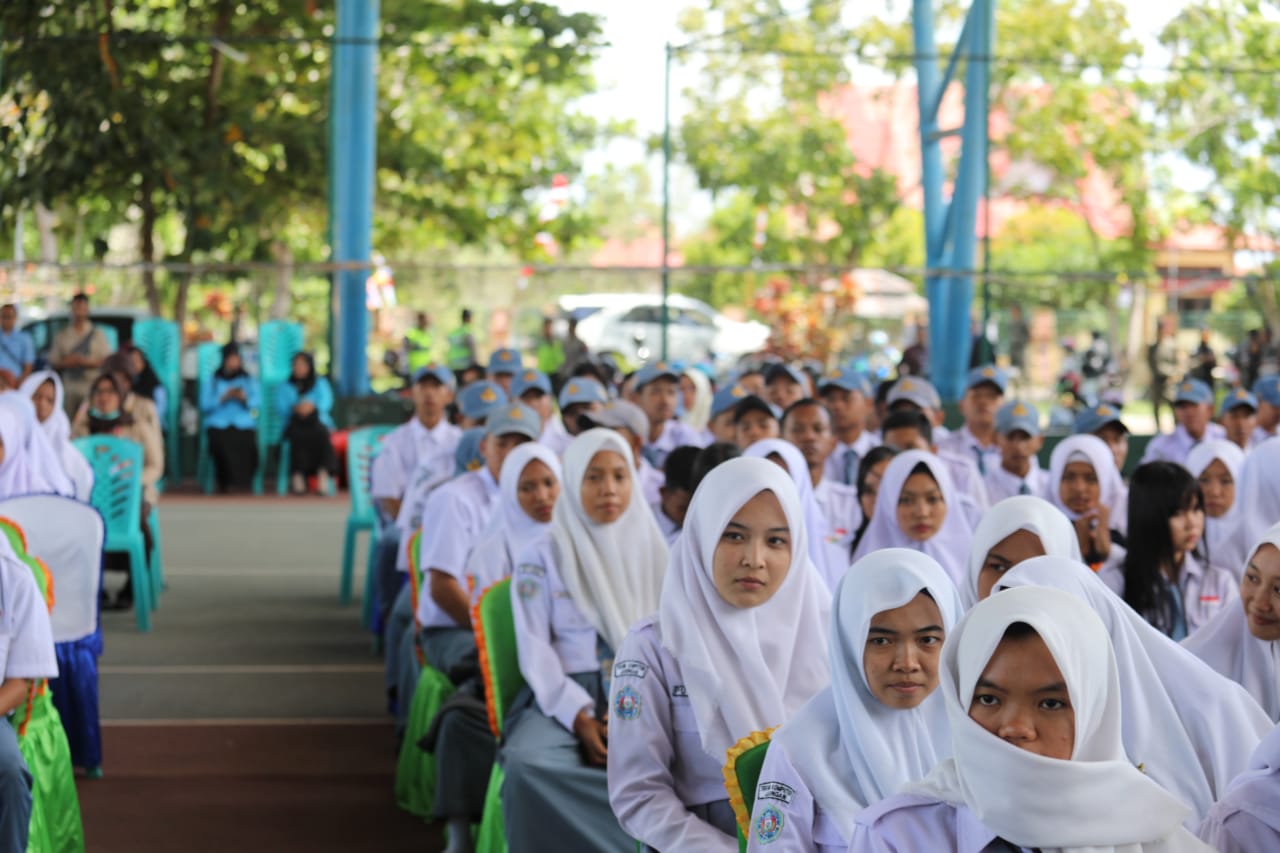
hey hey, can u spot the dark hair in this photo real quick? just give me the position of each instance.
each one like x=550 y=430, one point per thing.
x=708 y=458
x=306 y=383
x=923 y=468
x=883 y=389
x=1019 y=631
x=229 y=350
x=802 y=404
x=80 y=297
x=147 y=380
x=908 y=419
x=678 y=467
x=466 y=315
x=748 y=404
x=1157 y=492
x=869 y=460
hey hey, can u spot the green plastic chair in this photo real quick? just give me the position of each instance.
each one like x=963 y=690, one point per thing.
x=415 y=784
x=500 y=665
x=741 y=775
x=208 y=357
x=117 y=494
x=362 y=446
x=161 y=342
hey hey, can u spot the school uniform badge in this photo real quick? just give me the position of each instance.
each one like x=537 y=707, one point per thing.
x=769 y=826
x=528 y=588
x=626 y=704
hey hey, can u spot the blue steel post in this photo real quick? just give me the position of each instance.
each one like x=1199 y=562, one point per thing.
x=666 y=198
x=928 y=93
x=351 y=170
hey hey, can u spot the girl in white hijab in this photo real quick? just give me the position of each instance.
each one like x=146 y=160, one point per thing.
x=918 y=507
x=1085 y=485
x=881 y=724
x=824 y=545
x=576 y=590
x=30 y=465
x=1216 y=464
x=1248 y=817
x=44 y=389
x=1033 y=698
x=1258 y=493
x=1016 y=529
x=1243 y=640
x=1190 y=728
x=697 y=412
x=736 y=648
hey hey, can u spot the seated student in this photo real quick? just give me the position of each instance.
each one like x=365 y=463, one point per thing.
x=737 y=646
x=575 y=592
x=916 y=509
x=28 y=462
x=1193 y=410
x=1104 y=422
x=1033 y=699
x=305 y=404
x=1267 y=391
x=1245 y=819
x=227 y=404
x=976 y=440
x=847 y=396
x=1190 y=728
x=870 y=473
x=1019 y=440
x=807 y=426
x=631 y=424
x=1168 y=580
x=696 y=392
x=1216 y=466
x=504 y=364
x=826 y=549
x=752 y=381
x=528 y=487
x=723 y=405
x=473 y=402
x=784 y=385
x=1085 y=486
x=1239 y=416
x=659 y=386
x=709 y=458
x=580 y=396
x=534 y=390
x=754 y=420
x=879 y=725
x=915 y=393
x=677 y=491
x=1013 y=531
x=910 y=429
x=146 y=382
x=1258 y=493
x=1243 y=640
x=45 y=390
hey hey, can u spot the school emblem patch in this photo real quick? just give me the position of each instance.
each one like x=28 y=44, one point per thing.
x=769 y=826
x=527 y=588
x=626 y=704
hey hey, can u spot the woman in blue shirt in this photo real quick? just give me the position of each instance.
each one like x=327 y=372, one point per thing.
x=228 y=403
x=305 y=404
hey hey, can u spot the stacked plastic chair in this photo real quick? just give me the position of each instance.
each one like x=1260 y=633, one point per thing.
x=278 y=342
x=208 y=357
x=161 y=342
x=362 y=446
x=68 y=536
x=117 y=494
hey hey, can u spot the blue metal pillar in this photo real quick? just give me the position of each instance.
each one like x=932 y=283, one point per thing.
x=352 y=154
x=950 y=224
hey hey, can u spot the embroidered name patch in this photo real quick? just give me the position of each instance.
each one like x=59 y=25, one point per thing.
x=630 y=669
x=528 y=588
x=1209 y=599
x=626 y=704
x=775 y=791
x=531 y=569
x=679 y=690
x=769 y=826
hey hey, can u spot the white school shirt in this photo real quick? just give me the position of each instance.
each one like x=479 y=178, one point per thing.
x=657 y=767
x=674 y=434
x=554 y=436
x=846 y=457
x=554 y=638
x=1175 y=446
x=801 y=825
x=651 y=480
x=26 y=635
x=432 y=472
x=670 y=530
x=839 y=503
x=1246 y=819
x=968 y=482
x=964 y=443
x=1259 y=435
x=1001 y=484
x=908 y=823
x=402 y=449
x=1205 y=589
x=456 y=515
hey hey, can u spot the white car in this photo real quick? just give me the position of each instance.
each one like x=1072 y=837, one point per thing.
x=630 y=324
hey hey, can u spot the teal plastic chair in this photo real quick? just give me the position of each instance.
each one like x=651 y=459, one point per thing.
x=208 y=357
x=161 y=342
x=362 y=446
x=110 y=333
x=117 y=494
x=278 y=342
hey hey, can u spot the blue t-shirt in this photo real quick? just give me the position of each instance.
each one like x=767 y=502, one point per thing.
x=16 y=351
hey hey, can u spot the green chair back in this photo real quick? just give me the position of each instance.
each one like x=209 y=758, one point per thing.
x=499 y=660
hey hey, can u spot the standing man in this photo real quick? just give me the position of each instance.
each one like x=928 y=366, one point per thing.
x=1162 y=358
x=462 y=344
x=17 y=352
x=77 y=352
x=1204 y=360
x=418 y=345
x=575 y=351
x=549 y=355
x=1019 y=339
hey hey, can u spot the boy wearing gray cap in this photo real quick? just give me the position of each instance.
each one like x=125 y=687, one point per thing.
x=1019 y=438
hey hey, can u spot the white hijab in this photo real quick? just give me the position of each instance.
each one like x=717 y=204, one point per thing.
x=30 y=466
x=1096 y=801
x=1104 y=465
x=697 y=416
x=1258 y=494
x=1221 y=534
x=850 y=749
x=57 y=426
x=1021 y=512
x=824 y=549
x=754 y=667
x=1255 y=792
x=949 y=546
x=1227 y=645
x=612 y=571
x=510 y=528
x=1190 y=728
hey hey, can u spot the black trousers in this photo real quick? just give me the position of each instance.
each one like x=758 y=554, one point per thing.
x=310 y=449
x=235 y=457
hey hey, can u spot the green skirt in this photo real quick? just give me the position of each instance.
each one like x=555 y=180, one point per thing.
x=55 y=806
